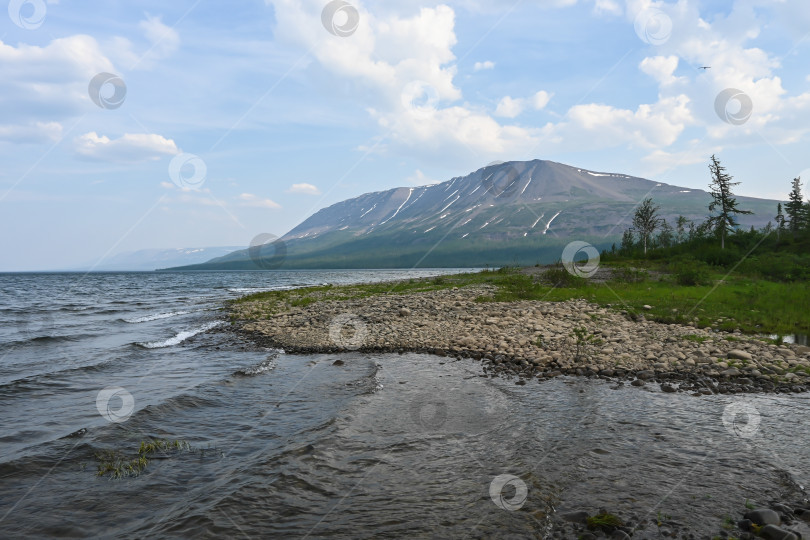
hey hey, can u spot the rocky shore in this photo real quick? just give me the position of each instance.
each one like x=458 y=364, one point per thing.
x=532 y=340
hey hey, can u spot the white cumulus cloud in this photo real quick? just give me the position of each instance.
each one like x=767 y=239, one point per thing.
x=249 y=199
x=510 y=107
x=306 y=189
x=130 y=147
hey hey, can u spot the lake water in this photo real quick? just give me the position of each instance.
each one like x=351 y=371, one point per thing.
x=292 y=446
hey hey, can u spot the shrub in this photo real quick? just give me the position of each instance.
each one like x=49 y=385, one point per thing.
x=558 y=276
x=690 y=272
x=629 y=275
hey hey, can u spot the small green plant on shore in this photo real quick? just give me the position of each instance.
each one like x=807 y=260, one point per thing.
x=582 y=339
x=728 y=523
x=302 y=302
x=558 y=276
x=604 y=522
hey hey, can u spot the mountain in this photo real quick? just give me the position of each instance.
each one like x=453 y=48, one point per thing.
x=146 y=260
x=519 y=212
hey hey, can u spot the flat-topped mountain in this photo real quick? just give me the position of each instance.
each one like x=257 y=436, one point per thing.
x=518 y=212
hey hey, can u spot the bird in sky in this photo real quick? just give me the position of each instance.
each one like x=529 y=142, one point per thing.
x=705 y=67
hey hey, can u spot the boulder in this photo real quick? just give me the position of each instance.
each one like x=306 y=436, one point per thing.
x=772 y=532
x=738 y=354
x=764 y=516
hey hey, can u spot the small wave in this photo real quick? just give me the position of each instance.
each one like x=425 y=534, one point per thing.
x=268 y=365
x=156 y=317
x=251 y=290
x=181 y=337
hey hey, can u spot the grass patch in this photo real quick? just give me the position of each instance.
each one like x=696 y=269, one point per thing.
x=115 y=464
x=605 y=522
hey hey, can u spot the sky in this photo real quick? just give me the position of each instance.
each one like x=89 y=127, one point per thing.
x=135 y=125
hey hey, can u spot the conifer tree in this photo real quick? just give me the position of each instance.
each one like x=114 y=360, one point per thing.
x=780 y=221
x=795 y=208
x=723 y=201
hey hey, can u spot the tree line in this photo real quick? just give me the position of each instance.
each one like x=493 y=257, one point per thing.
x=650 y=231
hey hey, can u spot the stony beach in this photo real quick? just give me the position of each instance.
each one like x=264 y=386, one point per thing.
x=532 y=340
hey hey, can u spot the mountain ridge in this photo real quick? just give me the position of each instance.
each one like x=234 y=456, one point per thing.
x=503 y=213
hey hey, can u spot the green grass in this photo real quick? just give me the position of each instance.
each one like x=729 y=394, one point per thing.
x=752 y=304
x=115 y=464
x=603 y=521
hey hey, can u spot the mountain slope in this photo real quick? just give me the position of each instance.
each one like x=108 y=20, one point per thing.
x=505 y=213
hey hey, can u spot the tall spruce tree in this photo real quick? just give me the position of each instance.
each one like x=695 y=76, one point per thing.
x=723 y=201
x=646 y=220
x=794 y=208
x=780 y=221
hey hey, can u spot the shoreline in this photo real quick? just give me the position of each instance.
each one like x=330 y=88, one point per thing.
x=524 y=339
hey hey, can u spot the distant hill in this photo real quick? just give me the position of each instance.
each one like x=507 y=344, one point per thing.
x=146 y=260
x=519 y=212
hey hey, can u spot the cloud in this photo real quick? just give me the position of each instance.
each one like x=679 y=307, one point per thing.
x=37 y=132
x=390 y=55
x=484 y=65
x=159 y=42
x=512 y=107
x=723 y=42
x=607 y=6
x=659 y=161
x=541 y=99
x=163 y=39
x=251 y=200
x=127 y=148
x=306 y=189
x=660 y=68
x=42 y=85
x=509 y=107
x=649 y=126
x=407 y=66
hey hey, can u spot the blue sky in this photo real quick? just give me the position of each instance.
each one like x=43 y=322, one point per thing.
x=270 y=112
